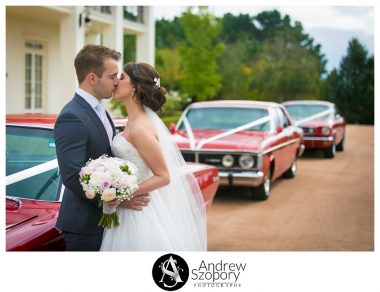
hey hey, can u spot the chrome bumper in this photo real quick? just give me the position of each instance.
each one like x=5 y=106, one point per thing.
x=248 y=179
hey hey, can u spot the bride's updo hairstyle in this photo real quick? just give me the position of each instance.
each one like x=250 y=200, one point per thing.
x=146 y=81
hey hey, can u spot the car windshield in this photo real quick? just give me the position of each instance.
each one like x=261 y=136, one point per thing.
x=27 y=147
x=302 y=111
x=225 y=118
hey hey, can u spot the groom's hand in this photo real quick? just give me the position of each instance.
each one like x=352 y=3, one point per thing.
x=136 y=203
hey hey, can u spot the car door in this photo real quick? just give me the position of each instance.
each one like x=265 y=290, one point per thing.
x=289 y=143
x=278 y=145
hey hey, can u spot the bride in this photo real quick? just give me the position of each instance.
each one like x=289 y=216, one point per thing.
x=175 y=219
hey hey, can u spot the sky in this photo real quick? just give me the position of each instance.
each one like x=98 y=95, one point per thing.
x=331 y=26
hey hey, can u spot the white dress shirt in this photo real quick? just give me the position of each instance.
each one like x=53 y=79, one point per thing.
x=99 y=109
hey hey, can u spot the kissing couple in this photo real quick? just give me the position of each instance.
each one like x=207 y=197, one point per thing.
x=167 y=211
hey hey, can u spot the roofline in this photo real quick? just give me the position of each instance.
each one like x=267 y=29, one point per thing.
x=308 y=101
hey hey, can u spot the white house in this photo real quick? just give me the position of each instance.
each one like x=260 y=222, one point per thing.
x=42 y=42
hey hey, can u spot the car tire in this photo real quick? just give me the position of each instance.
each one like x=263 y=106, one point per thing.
x=330 y=151
x=291 y=171
x=262 y=192
x=340 y=146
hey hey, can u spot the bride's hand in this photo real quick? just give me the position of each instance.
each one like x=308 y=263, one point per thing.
x=136 y=203
x=112 y=204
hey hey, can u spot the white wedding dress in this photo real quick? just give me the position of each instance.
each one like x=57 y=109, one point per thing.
x=174 y=219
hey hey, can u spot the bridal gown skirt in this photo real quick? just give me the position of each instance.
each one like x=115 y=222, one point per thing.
x=172 y=221
x=153 y=229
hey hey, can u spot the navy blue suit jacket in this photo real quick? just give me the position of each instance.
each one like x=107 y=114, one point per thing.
x=79 y=135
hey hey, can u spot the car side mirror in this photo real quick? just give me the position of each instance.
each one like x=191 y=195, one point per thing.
x=13 y=204
x=279 y=129
x=172 y=128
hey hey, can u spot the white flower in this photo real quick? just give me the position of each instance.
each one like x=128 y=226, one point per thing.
x=131 y=180
x=109 y=195
x=84 y=186
x=107 y=178
x=157 y=81
x=96 y=179
x=90 y=194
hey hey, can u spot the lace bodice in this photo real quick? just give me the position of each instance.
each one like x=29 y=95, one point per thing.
x=123 y=149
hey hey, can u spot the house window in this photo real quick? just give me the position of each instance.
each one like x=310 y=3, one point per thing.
x=134 y=13
x=130 y=43
x=33 y=76
x=101 y=9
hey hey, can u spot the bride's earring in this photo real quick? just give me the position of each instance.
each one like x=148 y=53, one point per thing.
x=133 y=92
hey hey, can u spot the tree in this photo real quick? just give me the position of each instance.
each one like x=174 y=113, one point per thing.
x=237 y=28
x=199 y=54
x=168 y=33
x=270 y=25
x=284 y=69
x=168 y=64
x=352 y=86
x=235 y=73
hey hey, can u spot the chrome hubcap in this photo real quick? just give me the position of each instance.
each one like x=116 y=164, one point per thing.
x=267 y=185
x=294 y=167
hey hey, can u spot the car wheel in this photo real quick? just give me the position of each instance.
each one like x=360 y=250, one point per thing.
x=340 y=146
x=291 y=171
x=331 y=151
x=262 y=192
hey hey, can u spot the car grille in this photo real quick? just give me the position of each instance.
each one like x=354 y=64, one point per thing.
x=308 y=131
x=189 y=157
x=215 y=159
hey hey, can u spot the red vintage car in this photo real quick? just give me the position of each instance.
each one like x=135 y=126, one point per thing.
x=34 y=189
x=324 y=128
x=251 y=143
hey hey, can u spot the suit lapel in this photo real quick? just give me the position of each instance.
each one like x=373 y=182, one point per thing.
x=97 y=122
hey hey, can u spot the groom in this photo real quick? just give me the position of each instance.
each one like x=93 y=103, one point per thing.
x=85 y=130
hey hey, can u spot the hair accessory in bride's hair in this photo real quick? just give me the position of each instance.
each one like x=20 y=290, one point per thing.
x=157 y=81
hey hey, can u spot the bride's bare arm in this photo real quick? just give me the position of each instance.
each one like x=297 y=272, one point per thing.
x=149 y=149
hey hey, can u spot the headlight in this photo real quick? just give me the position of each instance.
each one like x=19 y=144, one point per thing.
x=246 y=161
x=228 y=160
x=325 y=131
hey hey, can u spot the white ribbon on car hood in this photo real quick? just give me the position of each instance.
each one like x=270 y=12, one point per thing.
x=221 y=135
x=313 y=117
x=30 y=172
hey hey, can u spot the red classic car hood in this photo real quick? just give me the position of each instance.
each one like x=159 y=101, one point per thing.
x=243 y=140
x=316 y=123
x=20 y=211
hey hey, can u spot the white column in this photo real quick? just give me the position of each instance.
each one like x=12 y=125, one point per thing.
x=71 y=42
x=93 y=39
x=119 y=31
x=152 y=35
x=113 y=35
x=146 y=41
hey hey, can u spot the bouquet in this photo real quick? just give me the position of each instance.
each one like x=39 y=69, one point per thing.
x=107 y=179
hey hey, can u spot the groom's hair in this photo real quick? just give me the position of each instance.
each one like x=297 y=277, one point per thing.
x=91 y=59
